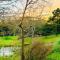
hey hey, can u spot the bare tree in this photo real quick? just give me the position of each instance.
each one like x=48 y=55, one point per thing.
x=28 y=3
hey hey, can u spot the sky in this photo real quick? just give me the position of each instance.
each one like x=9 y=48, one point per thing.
x=54 y=4
x=48 y=9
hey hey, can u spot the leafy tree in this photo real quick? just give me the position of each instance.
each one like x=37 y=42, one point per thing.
x=48 y=29
x=55 y=20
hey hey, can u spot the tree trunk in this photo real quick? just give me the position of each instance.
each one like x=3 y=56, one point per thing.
x=22 y=54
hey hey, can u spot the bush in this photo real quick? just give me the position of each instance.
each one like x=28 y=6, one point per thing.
x=38 y=51
x=48 y=29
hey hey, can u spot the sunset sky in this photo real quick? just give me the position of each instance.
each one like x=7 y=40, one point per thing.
x=53 y=4
x=56 y=3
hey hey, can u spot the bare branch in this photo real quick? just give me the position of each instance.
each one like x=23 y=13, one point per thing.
x=32 y=2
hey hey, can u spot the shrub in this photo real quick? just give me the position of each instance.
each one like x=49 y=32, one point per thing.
x=38 y=51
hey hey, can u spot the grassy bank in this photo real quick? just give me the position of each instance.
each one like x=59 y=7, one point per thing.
x=13 y=40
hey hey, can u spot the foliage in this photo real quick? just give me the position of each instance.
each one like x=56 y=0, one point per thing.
x=38 y=51
x=55 y=20
x=8 y=28
x=47 y=29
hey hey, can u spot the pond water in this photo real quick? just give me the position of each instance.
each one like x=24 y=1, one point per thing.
x=6 y=51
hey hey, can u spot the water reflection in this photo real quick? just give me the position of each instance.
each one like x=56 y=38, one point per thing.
x=6 y=51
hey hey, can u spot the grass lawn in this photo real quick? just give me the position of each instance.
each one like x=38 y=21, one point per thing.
x=13 y=41
x=9 y=41
x=47 y=39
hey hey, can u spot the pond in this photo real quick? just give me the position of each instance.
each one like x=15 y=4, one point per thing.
x=7 y=51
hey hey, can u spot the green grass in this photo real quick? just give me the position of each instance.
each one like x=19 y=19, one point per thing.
x=47 y=39
x=9 y=41
x=55 y=54
x=13 y=41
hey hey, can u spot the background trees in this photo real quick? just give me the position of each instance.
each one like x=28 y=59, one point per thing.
x=55 y=20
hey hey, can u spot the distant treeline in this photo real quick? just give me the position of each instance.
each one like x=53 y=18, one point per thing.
x=32 y=26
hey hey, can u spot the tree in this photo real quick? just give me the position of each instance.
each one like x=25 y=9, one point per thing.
x=55 y=20
x=28 y=3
